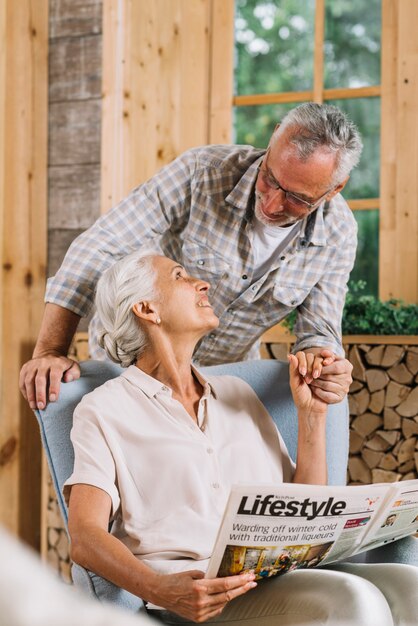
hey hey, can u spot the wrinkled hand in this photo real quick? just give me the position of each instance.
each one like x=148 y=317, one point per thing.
x=40 y=378
x=334 y=381
x=196 y=598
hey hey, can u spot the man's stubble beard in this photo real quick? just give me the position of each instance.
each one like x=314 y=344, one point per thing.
x=280 y=221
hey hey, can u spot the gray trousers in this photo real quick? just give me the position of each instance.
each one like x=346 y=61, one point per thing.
x=351 y=594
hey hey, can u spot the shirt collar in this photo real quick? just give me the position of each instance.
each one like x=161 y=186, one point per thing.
x=241 y=194
x=151 y=386
x=313 y=229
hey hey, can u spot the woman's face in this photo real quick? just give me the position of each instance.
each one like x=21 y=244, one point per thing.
x=184 y=301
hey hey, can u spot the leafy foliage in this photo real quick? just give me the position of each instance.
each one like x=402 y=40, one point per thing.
x=365 y=314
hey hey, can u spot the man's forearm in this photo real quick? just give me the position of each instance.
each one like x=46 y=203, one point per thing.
x=57 y=331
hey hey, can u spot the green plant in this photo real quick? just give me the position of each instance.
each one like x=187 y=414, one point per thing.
x=367 y=315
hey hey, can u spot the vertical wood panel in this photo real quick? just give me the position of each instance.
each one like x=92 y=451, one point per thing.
x=398 y=263
x=23 y=250
x=221 y=71
x=318 y=86
x=407 y=173
x=157 y=78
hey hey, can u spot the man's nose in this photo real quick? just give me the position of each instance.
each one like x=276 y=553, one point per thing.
x=274 y=201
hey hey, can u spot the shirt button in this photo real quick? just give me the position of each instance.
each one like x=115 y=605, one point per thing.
x=215 y=485
x=209 y=450
x=164 y=388
x=244 y=277
x=282 y=258
x=200 y=262
x=303 y=243
x=212 y=336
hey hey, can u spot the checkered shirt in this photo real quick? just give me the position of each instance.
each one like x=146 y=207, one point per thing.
x=198 y=210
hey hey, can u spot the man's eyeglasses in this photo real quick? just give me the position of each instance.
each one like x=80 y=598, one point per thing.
x=291 y=198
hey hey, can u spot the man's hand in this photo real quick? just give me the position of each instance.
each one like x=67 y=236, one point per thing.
x=40 y=378
x=196 y=598
x=334 y=382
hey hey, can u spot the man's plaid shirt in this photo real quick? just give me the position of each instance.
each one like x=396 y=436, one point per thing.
x=198 y=210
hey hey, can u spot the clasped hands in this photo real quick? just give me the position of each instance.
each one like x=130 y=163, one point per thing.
x=327 y=375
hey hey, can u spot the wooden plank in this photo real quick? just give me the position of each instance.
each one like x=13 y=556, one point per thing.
x=398 y=259
x=388 y=151
x=304 y=96
x=364 y=204
x=73 y=196
x=277 y=334
x=272 y=98
x=156 y=76
x=406 y=250
x=24 y=26
x=318 y=73
x=74 y=132
x=373 y=91
x=74 y=18
x=75 y=68
x=221 y=71
x=59 y=240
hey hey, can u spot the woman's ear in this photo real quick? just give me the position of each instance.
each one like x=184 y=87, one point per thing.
x=146 y=311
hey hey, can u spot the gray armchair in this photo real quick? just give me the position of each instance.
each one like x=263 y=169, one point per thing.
x=270 y=381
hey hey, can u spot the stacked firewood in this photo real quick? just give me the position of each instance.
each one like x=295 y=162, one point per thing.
x=57 y=546
x=383 y=404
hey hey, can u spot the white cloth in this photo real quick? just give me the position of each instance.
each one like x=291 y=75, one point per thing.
x=32 y=595
x=268 y=243
x=168 y=477
x=352 y=595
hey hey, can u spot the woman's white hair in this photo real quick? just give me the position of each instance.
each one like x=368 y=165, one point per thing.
x=128 y=281
x=324 y=125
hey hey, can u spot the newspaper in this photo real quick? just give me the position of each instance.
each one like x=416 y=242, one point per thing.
x=277 y=529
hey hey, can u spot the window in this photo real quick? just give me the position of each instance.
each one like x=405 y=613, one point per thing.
x=297 y=51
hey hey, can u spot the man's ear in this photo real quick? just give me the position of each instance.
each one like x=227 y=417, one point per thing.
x=276 y=128
x=145 y=311
x=338 y=188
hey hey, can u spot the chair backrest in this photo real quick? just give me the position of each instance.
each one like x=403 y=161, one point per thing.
x=268 y=378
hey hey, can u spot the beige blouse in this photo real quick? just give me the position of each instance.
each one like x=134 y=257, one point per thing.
x=168 y=477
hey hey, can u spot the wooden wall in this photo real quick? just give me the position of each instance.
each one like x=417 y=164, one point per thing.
x=399 y=152
x=75 y=72
x=167 y=85
x=23 y=213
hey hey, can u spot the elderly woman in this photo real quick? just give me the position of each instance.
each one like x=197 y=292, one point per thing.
x=157 y=450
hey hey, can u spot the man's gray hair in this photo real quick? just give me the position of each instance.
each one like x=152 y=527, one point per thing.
x=128 y=281
x=324 y=125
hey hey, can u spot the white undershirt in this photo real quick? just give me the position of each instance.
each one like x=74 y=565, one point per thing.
x=268 y=242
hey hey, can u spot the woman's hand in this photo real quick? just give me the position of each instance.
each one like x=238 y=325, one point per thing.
x=328 y=375
x=301 y=375
x=196 y=598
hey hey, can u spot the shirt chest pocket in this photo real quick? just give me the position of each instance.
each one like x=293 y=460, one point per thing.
x=203 y=263
x=289 y=295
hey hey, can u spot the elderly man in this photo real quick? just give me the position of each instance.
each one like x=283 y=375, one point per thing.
x=267 y=229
